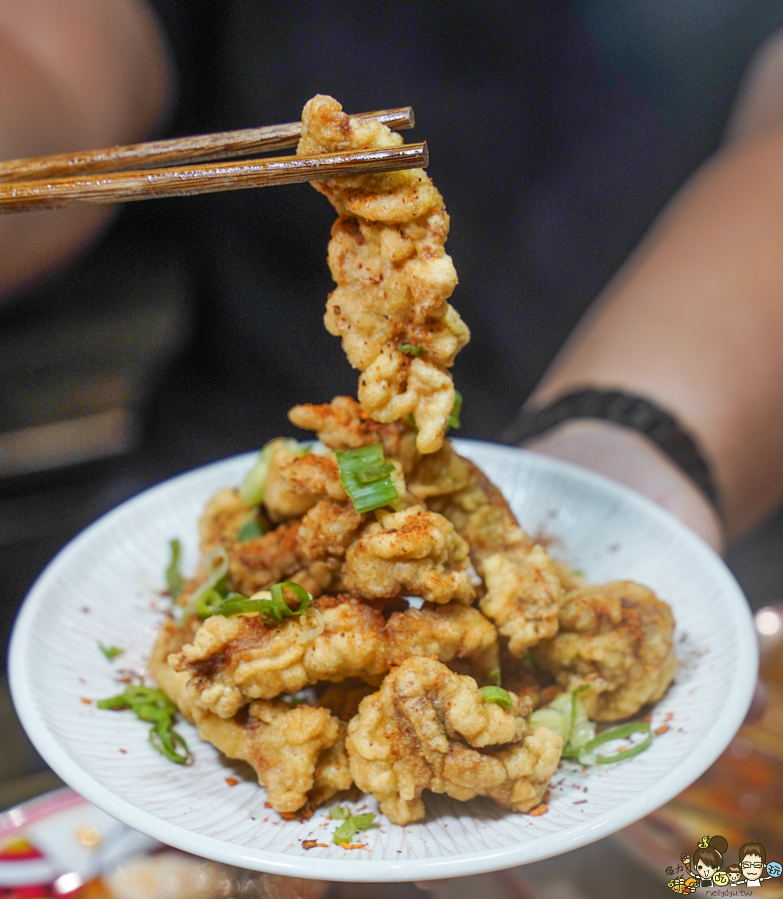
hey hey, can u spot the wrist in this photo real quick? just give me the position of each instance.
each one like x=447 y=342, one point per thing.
x=632 y=460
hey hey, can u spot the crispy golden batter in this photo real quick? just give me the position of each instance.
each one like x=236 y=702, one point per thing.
x=222 y=518
x=328 y=529
x=296 y=482
x=447 y=632
x=413 y=551
x=430 y=729
x=522 y=583
x=230 y=661
x=618 y=638
x=297 y=753
x=393 y=277
x=522 y=592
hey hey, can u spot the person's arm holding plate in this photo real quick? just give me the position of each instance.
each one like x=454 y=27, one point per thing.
x=74 y=74
x=694 y=323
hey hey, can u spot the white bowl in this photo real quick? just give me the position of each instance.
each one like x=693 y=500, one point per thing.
x=104 y=587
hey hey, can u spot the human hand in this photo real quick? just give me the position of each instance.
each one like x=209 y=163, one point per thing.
x=631 y=460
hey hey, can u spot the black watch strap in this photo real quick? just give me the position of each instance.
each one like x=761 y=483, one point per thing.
x=624 y=409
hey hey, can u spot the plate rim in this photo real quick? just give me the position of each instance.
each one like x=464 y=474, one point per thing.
x=714 y=741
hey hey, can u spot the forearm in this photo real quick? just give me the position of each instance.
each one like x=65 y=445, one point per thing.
x=74 y=74
x=694 y=321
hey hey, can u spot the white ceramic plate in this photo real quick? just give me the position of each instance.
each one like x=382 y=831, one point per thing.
x=103 y=586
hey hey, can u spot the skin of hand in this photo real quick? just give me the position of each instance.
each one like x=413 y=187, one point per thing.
x=74 y=75
x=694 y=322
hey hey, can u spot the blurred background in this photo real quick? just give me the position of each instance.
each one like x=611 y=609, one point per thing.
x=557 y=133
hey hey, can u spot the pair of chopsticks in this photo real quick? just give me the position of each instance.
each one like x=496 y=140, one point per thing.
x=192 y=165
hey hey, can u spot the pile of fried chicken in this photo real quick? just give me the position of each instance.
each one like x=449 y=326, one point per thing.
x=396 y=704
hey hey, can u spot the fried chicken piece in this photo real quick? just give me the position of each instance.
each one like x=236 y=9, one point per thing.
x=277 y=556
x=295 y=482
x=297 y=753
x=413 y=551
x=618 y=639
x=308 y=551
x=430 y=729
x=521 y=581
x=393 y=277
x=447 y=632
x=343 y=424
x=222 y=519
x=328 y=529
x=522 y=592
x=234 y=660
x=230 y=661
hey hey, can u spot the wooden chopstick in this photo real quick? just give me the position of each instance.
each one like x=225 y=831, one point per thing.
x=178 y=151
x=114 y=187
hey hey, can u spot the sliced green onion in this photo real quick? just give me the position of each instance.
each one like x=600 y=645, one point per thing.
x=576 y=707
x=111 y=652
x=554 y=719
x=411 y=421
x=588 y=756
x=154 y=707
x=494 y=676
x=251 y=529
x=356 y=466
x=276 y=608
x=251 y=491
x=453 y=421
x=166 y=740
x=216 y=564
x=174 y=580
x=373 y=472
x=272 y=610
x=346 y=831
x=498 y=695
x=210 y=602
x=411 y=349
x=566 y=715
x=341 y=813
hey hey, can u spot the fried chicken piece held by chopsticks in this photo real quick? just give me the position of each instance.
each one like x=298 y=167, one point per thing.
x=394 y=279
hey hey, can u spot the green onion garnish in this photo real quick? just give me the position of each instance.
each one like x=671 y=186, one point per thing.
x=154 y=707
x=453 y=421
x=174 y=580
x=411 y=349
x=364 y=473
x=217 y=565
x=341 y=813
x=270 y=611
x=499 y=695
x=566 y=716
x=494 y=676
x=253 y=528
x=111 y=652
x=346 y=831
x=588 y=756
